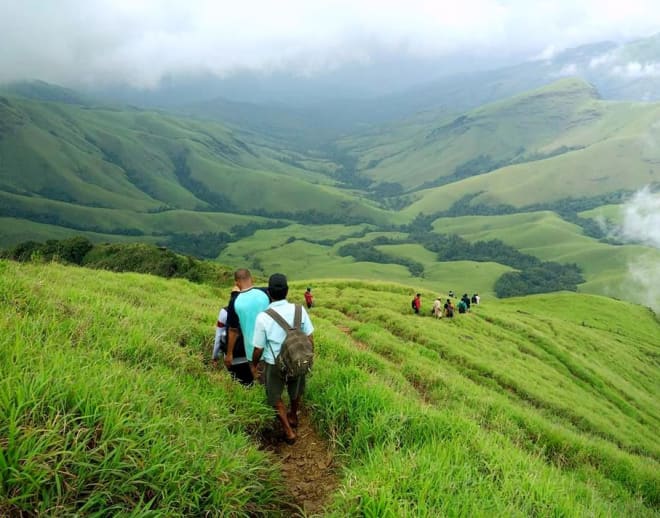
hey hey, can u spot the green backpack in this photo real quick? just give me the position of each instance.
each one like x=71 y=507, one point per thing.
x=297 y=354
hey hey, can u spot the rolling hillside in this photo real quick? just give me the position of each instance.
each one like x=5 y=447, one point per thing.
x=110 y=170
x=543 y=405
x=70 y=166
x=557 y=142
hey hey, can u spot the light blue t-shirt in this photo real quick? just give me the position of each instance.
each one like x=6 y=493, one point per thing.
x=248 y=305
x=269 y=335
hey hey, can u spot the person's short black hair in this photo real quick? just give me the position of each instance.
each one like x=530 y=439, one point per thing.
x=419 y=294
x=278 y=287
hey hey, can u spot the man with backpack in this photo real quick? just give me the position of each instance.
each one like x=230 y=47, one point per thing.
x=283 y=337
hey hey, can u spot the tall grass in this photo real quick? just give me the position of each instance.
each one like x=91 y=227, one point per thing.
x=483 y=415
x=107 y=408
x=535 y=406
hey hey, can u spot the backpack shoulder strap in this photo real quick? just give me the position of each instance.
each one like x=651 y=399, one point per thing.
x=279 y=319
x=297 y=316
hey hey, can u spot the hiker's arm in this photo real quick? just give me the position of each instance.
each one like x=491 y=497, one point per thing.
x=259 y=343
x=256 y=356
x=232 y=336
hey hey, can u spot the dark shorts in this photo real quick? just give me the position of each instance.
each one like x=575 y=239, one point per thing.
x=242 y=373
x=275 y=385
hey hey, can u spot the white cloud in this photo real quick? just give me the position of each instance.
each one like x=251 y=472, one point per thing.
x=641 y=218
x=568 y=70
x=644 y=278
x=140 y=41
x=641 y=224
x=603 y=59
x=636 y=70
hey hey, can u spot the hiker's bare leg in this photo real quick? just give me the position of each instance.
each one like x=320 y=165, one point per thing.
x=292 y=416
x=281 y=414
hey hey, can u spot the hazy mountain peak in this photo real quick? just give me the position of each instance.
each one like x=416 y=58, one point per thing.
x=43 y=91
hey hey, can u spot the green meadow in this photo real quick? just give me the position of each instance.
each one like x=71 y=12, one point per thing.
x=311 y=252
x=543 y=405
x=548 y=237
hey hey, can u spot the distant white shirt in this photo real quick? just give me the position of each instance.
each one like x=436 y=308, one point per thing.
x=268 y=335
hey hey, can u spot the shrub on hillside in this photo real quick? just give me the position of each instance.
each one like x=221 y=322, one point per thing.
x=540 y=279
x=121 y=257
x=71 y=250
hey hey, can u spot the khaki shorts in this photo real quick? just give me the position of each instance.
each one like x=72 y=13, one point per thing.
x=275 y=385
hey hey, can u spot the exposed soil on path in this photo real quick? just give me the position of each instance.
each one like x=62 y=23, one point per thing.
x=307 y=466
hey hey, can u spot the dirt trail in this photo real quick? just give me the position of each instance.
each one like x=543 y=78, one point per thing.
x=307 y=466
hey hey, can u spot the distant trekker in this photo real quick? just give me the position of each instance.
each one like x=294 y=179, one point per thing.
x=451 y=293
x=449 y=309
x=437 y=308
x=416 y=303
x=462 y=307
x=476 y=298
x=309 y=298
x=466 y=301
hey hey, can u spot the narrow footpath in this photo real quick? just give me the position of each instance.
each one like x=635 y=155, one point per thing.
x=308 y=466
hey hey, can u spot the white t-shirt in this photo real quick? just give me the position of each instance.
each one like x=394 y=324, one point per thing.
x=269 y=335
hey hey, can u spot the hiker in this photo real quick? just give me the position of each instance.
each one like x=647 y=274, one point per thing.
x=462 y=307
x=241 y=315
x=449 y=309
x=476 y=298
x=451 y=293
x=269 y=336
x=309 y=298
x=437 y=308
x=240 y=368
x=416 y=303
x=466 y=301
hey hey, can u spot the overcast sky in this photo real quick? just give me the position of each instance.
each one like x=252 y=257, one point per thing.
x=138 y=41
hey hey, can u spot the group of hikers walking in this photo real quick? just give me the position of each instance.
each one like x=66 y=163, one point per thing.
x=446 y=309
x=266 y=338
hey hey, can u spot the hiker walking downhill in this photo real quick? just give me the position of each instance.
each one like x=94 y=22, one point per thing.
x=240 y=367
x=309 y=298
x=242 y=313
x=269 y=336
x=449 y=309
x=417 y=303
x=437 y=308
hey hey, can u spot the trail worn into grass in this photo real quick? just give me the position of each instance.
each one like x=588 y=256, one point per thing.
x=308 y=466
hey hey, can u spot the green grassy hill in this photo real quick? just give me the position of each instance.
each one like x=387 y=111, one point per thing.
x=69 y=166
x=543 y=405
x=128 y=172
x=546 y=236
x=556 y=142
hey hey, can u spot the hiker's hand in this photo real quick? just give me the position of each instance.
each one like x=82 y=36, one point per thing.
x=255 y=371
x=228 y=359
